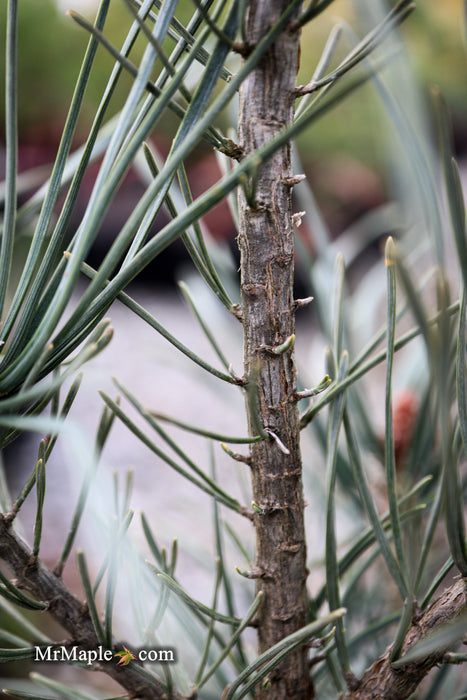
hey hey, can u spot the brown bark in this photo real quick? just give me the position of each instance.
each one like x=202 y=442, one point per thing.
x=68 y=611
x=267 y=263
x=383 y=682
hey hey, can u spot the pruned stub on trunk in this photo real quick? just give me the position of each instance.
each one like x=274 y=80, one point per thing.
x=267 y=262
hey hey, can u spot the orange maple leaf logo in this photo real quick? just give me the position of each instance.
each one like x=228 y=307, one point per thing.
x=126 y=655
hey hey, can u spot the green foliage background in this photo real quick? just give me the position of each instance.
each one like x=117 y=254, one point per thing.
x=51 y=47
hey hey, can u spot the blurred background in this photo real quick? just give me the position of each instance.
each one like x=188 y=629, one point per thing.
x=347 y=167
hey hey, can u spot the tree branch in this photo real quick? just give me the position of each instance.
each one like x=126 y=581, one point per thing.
x=266 y=232
x=69 y=612
x=381 y=681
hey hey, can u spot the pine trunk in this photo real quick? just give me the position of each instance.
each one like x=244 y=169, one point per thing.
x=267 y=268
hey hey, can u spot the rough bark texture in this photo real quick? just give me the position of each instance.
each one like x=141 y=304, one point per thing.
x=68 y=611
x=267 y=261
x=382 y=682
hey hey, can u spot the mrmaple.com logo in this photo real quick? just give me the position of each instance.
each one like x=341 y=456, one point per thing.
x=76 y=654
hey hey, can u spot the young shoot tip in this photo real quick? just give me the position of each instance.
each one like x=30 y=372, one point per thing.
x=390 y=252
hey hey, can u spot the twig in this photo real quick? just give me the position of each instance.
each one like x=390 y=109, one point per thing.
x=381 y=680
x=69 y=612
